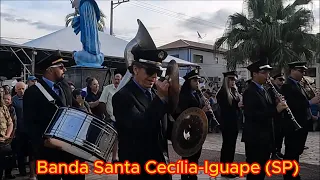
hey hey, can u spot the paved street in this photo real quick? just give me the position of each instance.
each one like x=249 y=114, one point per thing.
x=211 y=151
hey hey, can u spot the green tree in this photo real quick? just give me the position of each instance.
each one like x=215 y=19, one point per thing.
x=101 y=22
x=270 y=29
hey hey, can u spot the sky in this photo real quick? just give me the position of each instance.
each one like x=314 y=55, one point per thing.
x=166 y=21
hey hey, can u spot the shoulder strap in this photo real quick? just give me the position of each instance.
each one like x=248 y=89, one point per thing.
x=86 y=105
x=44 y=92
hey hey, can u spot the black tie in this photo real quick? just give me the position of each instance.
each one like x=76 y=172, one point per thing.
x=302 y=90
x=195 y=94
x=266 y=95
x=149 y=95
x=58 y=91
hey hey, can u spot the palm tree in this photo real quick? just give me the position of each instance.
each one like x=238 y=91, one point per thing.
x=101 y=23
x=270 y=29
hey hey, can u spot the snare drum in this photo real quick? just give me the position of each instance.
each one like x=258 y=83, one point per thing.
x=81 y=134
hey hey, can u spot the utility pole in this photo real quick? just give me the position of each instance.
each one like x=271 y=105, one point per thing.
x=113 y=6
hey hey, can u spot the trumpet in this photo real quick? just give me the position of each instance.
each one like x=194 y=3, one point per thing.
x=289 y=112
x=208 y=106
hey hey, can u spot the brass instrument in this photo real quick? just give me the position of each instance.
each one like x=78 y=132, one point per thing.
x=208 y=106
x=280 y=96
x=310 y=90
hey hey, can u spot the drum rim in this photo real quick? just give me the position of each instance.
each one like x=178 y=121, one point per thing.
x=93 y=152
x=80 y=147
x=109 y=124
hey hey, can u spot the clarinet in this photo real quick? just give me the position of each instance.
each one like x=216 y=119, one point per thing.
x=289 y=112
x=207 y=103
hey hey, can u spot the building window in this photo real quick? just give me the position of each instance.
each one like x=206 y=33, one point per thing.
x=197 y=58
x=175 y=55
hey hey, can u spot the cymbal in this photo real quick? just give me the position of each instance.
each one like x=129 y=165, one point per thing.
x=172 y=73
x=189 y=131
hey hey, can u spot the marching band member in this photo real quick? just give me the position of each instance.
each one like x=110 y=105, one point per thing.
x=229 y=102
x=140 y=111
x=277 y=81
x=299 y=103
x=38 y=112
x=259 y=112
x=190 y=97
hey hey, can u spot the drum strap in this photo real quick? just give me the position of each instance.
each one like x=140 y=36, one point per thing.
x=44 y=92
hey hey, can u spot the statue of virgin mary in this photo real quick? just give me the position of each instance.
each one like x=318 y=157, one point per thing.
x=86 y=23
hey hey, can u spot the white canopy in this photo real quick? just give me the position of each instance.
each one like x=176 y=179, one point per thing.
x=66 y=40
x=3 y=41
x=179 y=61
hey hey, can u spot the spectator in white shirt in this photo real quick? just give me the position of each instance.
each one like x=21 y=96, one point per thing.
x=108 y=92
x=106 y=98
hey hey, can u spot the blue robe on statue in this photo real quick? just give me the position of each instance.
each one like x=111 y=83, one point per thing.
x=90 y=56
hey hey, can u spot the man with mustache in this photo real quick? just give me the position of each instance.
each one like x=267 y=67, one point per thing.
x=38 y=112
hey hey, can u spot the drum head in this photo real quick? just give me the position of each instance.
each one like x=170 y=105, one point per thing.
x=81 y=134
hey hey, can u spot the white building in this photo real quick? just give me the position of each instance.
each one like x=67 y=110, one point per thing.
x=212 y=62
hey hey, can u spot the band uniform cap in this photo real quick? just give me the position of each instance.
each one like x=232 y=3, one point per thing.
x=258 y=66
x=31 y=78
x=278 y=75
x=230 y=73
x=298 y=65
x=54 y=59
x=151 y=58
x=194 y=74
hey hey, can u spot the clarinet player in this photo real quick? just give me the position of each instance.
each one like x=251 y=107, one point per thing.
x=228 y=100
x=259 y=111
x=299 y=103
x=277 y=81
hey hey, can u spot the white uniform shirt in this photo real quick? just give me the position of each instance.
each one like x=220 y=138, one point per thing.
x=106 y=97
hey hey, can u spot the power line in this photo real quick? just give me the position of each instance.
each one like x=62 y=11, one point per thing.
x=176 y=15
x=129 y=38
x=191 y=17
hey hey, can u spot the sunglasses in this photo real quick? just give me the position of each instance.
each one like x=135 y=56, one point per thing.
x=60 y=66
x=152 y=71
x=280 y=79
x=302 y=70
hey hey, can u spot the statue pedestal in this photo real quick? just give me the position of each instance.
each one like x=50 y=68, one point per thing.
x=78 y=75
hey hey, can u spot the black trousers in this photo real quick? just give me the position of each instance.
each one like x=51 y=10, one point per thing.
x=6 y=160
x=57 y=156
x=294 y=146
x=229 y=141
x=23 y=149
x=192 y=159
x=257 y=153
x=279 y=135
